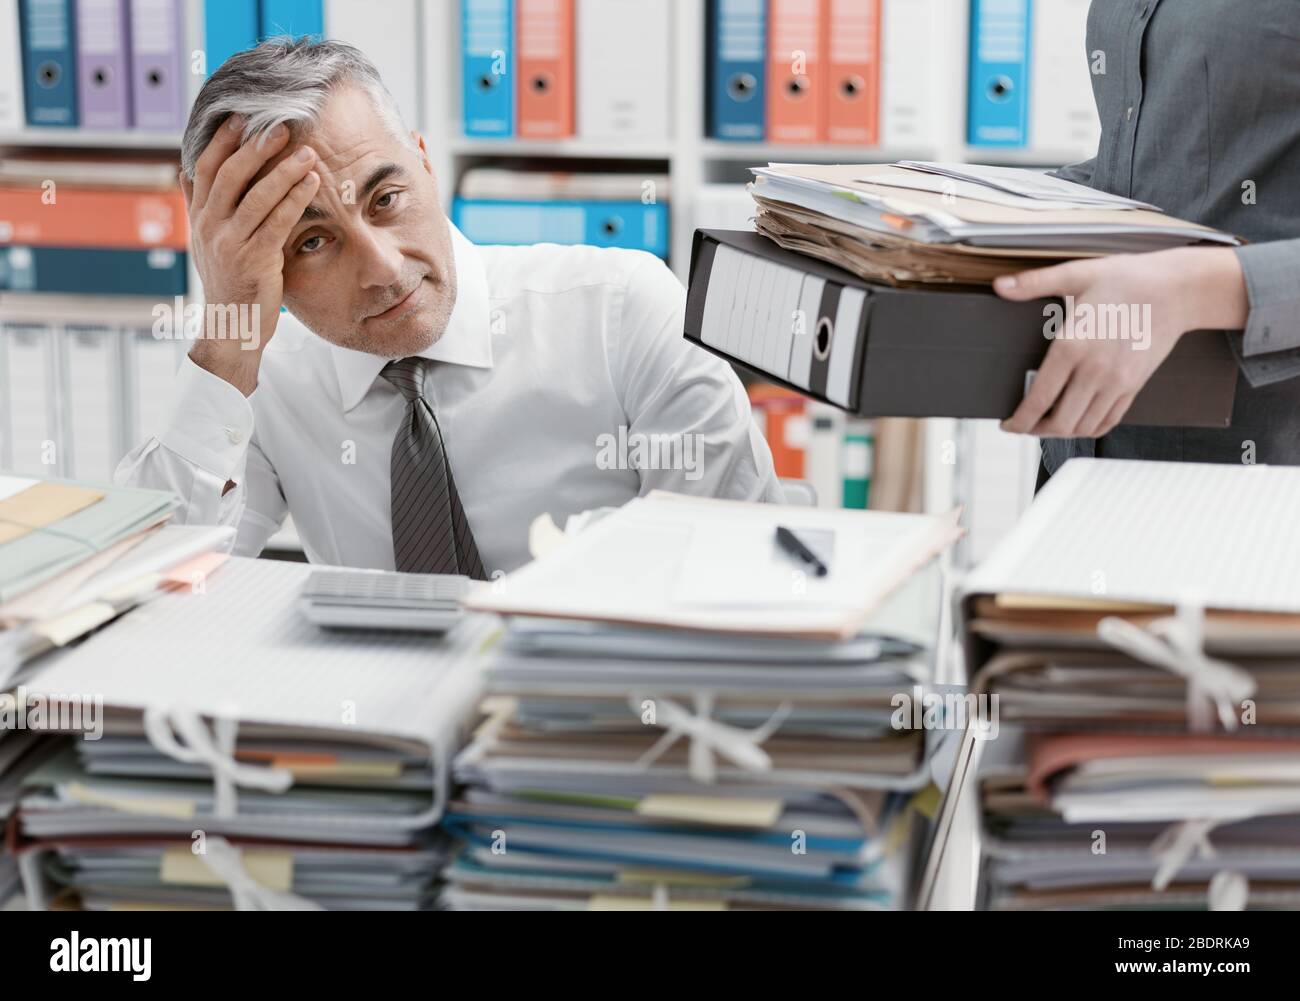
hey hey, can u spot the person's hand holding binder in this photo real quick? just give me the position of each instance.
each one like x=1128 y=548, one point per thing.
x=1122 y=317
x=239 y=231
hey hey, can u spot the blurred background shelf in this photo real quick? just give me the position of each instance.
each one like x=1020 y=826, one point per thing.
x=60 y=138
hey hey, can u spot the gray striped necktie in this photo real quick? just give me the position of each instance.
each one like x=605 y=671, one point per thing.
x=430 y=531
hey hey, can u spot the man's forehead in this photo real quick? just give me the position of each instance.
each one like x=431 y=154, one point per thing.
x=353 y=160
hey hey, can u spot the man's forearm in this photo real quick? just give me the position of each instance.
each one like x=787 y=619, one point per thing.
x=238 y=368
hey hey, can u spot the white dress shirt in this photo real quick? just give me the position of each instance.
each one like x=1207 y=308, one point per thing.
x=558 y=366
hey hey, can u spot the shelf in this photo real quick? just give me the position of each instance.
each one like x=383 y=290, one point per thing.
x=722 y=149
x=111 y=311
x=130 y=139
x=576 y=147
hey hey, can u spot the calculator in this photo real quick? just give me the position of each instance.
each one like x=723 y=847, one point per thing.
x=384 y=599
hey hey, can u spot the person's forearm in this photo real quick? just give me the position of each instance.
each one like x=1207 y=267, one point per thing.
x=238 y=368
x=1211 y=290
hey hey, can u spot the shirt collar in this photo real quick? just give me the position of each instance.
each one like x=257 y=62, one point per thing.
x=466 y=341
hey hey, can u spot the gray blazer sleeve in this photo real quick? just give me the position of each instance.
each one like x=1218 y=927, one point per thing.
x=1269 y=350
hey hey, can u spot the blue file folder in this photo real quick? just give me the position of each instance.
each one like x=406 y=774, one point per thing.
x=488 y=66
x=49 y=62
x=82 y=271
x=229 y=26
x=630 y=225
x=293 y=17
x=736 y=70
x=999 y=73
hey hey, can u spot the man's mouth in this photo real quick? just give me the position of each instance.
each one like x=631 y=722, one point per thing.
x=397 y=309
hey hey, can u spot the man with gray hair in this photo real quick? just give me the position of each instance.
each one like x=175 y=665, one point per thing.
x=422 y=400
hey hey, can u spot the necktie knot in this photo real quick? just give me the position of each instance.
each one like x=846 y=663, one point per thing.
x=407 y=374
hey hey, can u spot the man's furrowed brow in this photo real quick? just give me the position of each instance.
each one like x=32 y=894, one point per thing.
x=314 y=213
x=379 y=175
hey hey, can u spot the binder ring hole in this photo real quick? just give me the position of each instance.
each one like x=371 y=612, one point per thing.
x=742 y=86
x=486 y=82
x=611 y=227
x=541 y=83
x=1000 y=88
x=853 y=86
x=822 y=338
x=154 y=78
x=101 y=76
x=49 y=74
x=797 y=86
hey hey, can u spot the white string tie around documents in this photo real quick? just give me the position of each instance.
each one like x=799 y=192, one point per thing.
x=217 y=751
x=709 y=737
x=226 y=861
x=1174 y=848
x=1176 y=644
x=200 y=748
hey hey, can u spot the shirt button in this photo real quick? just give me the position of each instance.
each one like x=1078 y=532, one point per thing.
x=1128 y=115
x=1143 y=12
x=234 y=435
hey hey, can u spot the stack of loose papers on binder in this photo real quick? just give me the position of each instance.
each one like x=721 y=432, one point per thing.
x=1139 y=631
x=918 y=223
x=241 y=754
x=672 y=722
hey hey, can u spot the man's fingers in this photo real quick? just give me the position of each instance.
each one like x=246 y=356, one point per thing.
x=224 y=142
x=1040 y=283
x=239 y=169
x=1117 y=412
x=1090 y=423
x=1063 y=420
x=1043 y=391
x=268 y=193
x=279 y=223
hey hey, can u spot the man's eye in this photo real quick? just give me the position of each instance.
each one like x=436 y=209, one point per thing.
x=386 y=200
x=312 y=243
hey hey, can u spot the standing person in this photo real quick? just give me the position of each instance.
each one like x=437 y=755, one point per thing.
x=1200 y=113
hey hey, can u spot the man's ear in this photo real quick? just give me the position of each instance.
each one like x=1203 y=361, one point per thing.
x=187 y=188
x=424 y=151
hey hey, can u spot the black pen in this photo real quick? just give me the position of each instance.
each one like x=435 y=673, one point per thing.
x=793 y=545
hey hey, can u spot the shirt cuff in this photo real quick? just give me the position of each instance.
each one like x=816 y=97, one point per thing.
x=211 y=422
x=1272 y=273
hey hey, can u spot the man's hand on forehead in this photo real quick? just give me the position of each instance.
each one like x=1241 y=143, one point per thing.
x=244 y=201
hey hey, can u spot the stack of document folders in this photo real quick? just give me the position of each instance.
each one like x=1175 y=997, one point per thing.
x=718 y=730
x=72 y=558
x=1136 y=637
x=242 y=755
x=867 y=286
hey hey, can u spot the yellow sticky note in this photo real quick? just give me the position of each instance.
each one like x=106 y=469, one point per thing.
x=926 y=802
x=1058 y=603
x=63 y=629
x=719 y=810
x=273 y=869
x=638 y=877
x=40 y=505
x=608 y=902
x=340 y=769
x=153 y=806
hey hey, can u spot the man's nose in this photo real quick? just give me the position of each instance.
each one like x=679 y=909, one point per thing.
x=380 y=259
